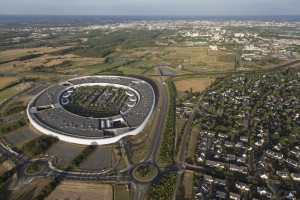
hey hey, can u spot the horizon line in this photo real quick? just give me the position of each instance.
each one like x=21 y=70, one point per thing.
x=154 y=15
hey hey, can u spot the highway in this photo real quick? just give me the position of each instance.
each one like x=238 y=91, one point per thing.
x=154 y=147
x=240 y=71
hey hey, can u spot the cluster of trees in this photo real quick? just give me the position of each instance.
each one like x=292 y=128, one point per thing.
x=103 y=44
x=22 y=58
x=140 y=38
x=8 y=35
x=64 y=51
x=164 y=188
x=13 y=108
x=93 y=52
x=43 y=68
x=38 y=146
x=96 y=101
x=166 y=154
x=83 y=156
x=267 y=61
x=8 y=127
x=33 y=168
x=144 y=170
x=28 y=57
x=38 y=68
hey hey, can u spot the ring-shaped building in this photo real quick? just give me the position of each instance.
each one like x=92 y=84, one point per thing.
x=47 y=113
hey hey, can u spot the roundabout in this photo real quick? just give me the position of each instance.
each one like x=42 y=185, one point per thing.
x=93 y=110
x=145 y=173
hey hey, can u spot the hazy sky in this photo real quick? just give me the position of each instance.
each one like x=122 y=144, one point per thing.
x=151 y=7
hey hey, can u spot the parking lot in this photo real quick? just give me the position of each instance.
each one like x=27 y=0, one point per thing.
x=20 y=136
x=99 y=160
x=65 y=152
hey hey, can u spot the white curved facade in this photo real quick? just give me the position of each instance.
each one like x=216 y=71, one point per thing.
x=79 y=139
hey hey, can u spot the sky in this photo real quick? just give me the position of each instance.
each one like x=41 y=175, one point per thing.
x=150 y=7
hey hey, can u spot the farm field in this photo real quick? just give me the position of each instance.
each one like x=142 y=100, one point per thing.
x=191 y=59
x=64 y=152
x=15 y=53
x=197 y=84
x=83 y=191
x=20 y=136
x=194 y=59
x=49 y=61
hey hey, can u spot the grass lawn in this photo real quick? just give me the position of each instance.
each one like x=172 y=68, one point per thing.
x=192 y=142
x=121 y=165
x=131 y=70
x=187 y=184
x=8 y=93
x=139 y=148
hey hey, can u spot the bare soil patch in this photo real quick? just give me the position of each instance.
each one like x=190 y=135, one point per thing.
x=197 y=84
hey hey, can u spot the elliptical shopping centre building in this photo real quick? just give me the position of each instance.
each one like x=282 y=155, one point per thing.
x=47 y=114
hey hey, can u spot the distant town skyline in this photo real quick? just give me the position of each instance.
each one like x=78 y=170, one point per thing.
x=150 y=7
